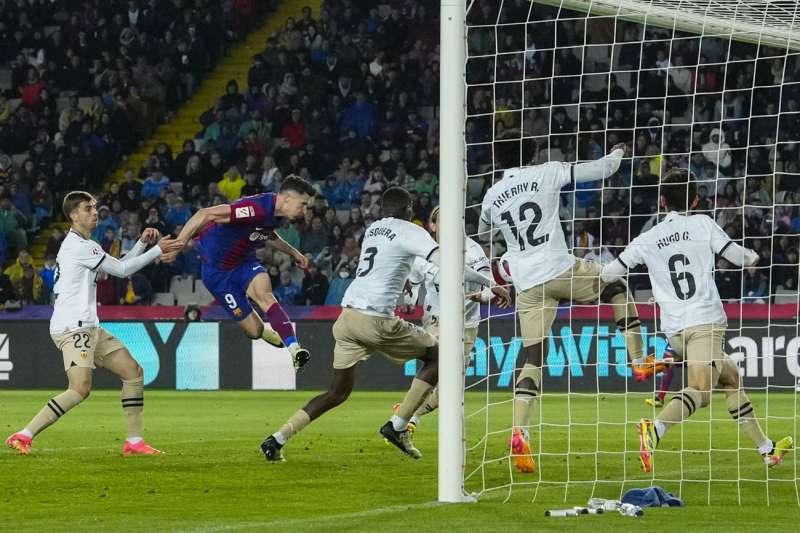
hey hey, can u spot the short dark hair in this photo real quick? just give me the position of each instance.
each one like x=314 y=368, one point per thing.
x=678 y=189
x=73 y=199
x=395 y=202
x=298 y=185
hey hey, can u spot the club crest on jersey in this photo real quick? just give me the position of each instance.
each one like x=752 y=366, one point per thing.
x=244 y=211
x=96 y=251
x=237 y=312
x=84 y=355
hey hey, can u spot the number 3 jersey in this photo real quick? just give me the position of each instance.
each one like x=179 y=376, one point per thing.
x=679 y=254
x=524 y=207
x=387 y=252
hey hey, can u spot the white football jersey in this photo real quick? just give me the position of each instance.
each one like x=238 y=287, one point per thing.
x=679 y=253
x=524 y=206
x=75 y=288
x=423 y=272
x=387 y=252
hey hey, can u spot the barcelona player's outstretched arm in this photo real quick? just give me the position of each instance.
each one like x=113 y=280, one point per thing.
x=218 y=214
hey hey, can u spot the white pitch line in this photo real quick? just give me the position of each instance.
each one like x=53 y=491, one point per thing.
x=309 y=521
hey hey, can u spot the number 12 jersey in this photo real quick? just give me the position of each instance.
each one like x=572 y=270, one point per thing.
x=679 y=255
x=524 y=206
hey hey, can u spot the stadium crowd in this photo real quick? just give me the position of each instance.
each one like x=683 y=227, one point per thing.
x=347 y=100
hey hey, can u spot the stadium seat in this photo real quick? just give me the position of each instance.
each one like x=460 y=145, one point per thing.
x=642 y=296
x=163 y=298
x=181 y=285
x=784 y=296
x=201 y=294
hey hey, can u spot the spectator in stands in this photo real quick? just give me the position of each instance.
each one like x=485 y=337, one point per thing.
x=12 y=223
x=15 y=271
x=48 y=275
x=338 y=286
x=315 y=239
x=29 y=287
x=288 y=290
x=177 y=215
x=231 y=184
x=135 y=290
x=315 y=286
x=755 y=286
x=42 y=202
x=155 y=184
x=153 y=220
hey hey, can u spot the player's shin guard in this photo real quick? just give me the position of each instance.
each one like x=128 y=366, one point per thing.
x=680 y=407
x=133 y=407
x=281 y=323
x=741 y=411
x=526 y=390
x=294 y=425
x=413 y=400
x=55 y=409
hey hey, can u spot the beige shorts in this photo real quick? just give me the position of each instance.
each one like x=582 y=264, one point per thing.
x=537 y=306
x=359 y=335
x=700 y=345
x=470 y=334
x=86 y=347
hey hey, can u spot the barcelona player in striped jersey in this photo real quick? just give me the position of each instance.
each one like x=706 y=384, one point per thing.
x=227 y=237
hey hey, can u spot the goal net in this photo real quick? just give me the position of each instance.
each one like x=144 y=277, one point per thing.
x=712 y=86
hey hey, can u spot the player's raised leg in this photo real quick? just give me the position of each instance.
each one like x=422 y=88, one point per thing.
x=742 y=411
x=260 y=291
x=80 y=385
x=121 y=363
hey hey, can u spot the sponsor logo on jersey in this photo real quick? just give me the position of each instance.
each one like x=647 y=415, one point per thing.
x=259 y=236
x=245 y=211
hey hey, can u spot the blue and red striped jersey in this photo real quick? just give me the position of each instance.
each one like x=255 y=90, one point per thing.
x=226 y=246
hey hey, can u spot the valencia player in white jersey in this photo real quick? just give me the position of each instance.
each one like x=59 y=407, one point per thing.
x=680 y=253
x=368 y=324
x=524 y=206
x=76 y=330
x=427 y=274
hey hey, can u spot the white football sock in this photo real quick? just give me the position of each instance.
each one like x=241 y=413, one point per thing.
x=399 y=424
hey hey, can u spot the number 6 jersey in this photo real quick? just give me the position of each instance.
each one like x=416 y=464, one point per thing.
x=524 y=207
x=387 y=252
x=679 y=254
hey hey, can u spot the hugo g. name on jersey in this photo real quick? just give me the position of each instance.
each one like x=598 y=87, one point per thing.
x=423 y=272
x=679 y=253
x=524 y=207
x=387 y=252
x=75 y=287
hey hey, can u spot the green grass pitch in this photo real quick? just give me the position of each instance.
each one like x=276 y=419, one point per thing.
x=341 y=477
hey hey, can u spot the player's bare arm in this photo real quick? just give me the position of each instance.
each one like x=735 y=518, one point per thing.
x=277 y=243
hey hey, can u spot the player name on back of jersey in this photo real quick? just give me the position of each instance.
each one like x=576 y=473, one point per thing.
x=511 y=192
x=672 y=238
x=382 y=232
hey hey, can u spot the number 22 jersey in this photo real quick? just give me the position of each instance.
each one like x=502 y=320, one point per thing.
x=679 y=254
x=387 y=253
x=524 y=206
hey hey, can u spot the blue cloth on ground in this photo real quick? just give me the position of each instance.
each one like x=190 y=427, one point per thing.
x=652 y=497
